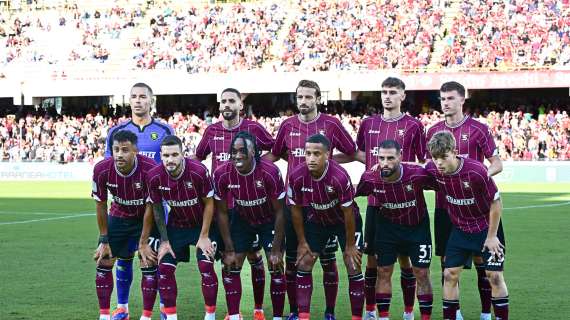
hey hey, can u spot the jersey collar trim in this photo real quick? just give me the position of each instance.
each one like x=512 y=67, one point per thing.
x=234 y=127
x=458 y=124
x=249 y=173
x=461 y=162
x=324 y=173
x=307 y=122
x=393 y=119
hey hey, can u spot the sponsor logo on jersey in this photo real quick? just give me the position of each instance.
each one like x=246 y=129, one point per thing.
x=466 y=184
x=464 y=137
x=399 y=205
x=329 y=189
x=223 y=156
x=154 y=135
x=258 y=183
x=401 y=132
x=409 y=188
x=375 y=151
x=233 y=186
x=185 y=203
x=251 y=203
x=374 y=131
x=188 y=184
x=298 y=152
x=324 y=206
x=149 y=154
x=112 y=185
x=218 y=138
x=163 y=188
x=306 y=189
x=294 y=134
x=134 y=202
x=460 y=202
x=378 y=190
x=138 y=185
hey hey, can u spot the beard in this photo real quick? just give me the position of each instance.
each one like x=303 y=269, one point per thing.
x=229 y=114
x=386 y=172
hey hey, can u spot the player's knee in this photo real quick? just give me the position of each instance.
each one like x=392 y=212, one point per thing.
x=404 y=262
x=451 y=275
x=495 y=278
x=385 y=273
x=306 y=264
x=422 y=274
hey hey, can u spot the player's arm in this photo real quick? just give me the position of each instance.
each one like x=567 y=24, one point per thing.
x=359 y=156
x=496 y=165
x=103 y=250
x=159 y=214
x=492 y=242
x=146 y=254
x=204 y=242
x=351 y=252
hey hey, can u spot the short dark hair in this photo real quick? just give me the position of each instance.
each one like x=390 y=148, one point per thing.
x=393 y=82
x=246 y=136
x=453 y=86
x=143 y=85
x=309 y=84
x=171 y=140
x=124 y=136
x=390 y=144
x=236 y=91
x=319 y=138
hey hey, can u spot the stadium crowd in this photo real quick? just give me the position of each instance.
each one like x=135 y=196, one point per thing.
x=311 y=35
x=519 y=135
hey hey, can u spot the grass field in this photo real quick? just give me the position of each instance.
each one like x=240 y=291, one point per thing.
x=48 y=233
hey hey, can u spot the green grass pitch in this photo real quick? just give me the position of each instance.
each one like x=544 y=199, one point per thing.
x=48 y=233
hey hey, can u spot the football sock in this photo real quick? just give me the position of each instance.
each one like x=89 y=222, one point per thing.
x=408 y=283
x=104 y=285
x=484 y=288
x=426 y=302
x=356 y=294
x=304 y=292
x=383 y=302
x=450 y=309
x=232 y=285
x=370 y=288
x=258 y=281
x=501 y=308
x=209 y=284
x=124 y=273
x=330 y=281
x=291 y=278
x=149 y=287
x=168 y=287
x=277 y=289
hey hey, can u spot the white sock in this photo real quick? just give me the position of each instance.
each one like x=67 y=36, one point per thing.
x=458 y=315
x=210 y=316
x=171 y=317
x=235 y=317
x=145 y=318
x=277 y=318
x=105 y=317
x=123 y=305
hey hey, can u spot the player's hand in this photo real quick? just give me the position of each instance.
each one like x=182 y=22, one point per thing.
x=276 y=260
x=148 y=257
x=102 y=252
x=164 y=249
x=303 y=249
x=353 y=256
x=230 y=260
x=494 y=246
x=205 y=244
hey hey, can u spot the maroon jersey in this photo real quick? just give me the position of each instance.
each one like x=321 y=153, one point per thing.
x=402 y=201
x=473 y=140
x=293 y=133
x=406 y=130
x=183 y=194
x=129 y=191
x=468 y=194
x=217 y=140
x=251 y=193
x=323 y=196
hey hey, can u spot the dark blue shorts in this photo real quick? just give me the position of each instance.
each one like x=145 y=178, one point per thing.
x=182 y=238
x=396 y=239
x=245 y=236
x=255 y=246
x=124 y=235
x=318 y=236
x=462 y=245
x=370 y=229
x=291 y=243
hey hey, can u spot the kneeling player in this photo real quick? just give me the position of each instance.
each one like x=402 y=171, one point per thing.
x=129 y=220
x=186 y=187
x=474 y=206
x=257 y=190
x=402 y=223
x=324 y=188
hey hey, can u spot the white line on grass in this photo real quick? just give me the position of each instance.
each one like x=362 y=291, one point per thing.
x=540 y=206
x=47 y=219
x=15 y=212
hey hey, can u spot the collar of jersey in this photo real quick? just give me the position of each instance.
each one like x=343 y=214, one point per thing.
x=247 y=174
x=393 y=119
x=457 y=125
x=324 y=173
x=461 y=162
x=234 y=127
x=307 y=122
